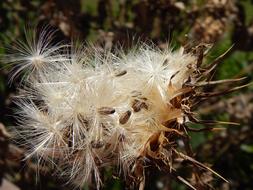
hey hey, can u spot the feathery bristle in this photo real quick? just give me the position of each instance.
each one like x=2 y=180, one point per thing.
x=85 y=111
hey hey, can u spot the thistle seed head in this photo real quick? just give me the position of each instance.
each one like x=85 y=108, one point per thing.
x=85 y=110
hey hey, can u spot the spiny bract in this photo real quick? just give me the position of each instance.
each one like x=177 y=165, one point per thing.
x=84 y=109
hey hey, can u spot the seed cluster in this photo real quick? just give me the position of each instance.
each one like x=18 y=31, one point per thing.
x=84 y=109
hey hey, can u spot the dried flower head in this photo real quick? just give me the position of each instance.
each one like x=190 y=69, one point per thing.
x=84 y=109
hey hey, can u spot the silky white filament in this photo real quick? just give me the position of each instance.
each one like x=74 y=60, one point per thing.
x=85 y=109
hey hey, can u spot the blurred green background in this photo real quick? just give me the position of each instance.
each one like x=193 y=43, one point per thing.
x=108 y=23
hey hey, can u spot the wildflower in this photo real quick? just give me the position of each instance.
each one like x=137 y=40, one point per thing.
x=84 y=112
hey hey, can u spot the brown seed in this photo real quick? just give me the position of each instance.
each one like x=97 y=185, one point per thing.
x=106 y=110
x=136 y=93
x=121 y=137
x=138 y=105
x=97 y=144
x=166 y=61
x=144 y=98
x=125 y=117
x=120 y=73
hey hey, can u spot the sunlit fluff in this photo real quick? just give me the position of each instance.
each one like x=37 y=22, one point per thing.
x=83 y=109
x=34 y=53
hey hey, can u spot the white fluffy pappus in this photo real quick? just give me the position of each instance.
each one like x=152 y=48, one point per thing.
x=88 y=109
x=36 y=52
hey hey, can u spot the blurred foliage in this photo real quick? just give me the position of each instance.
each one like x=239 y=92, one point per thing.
x=106 y=23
